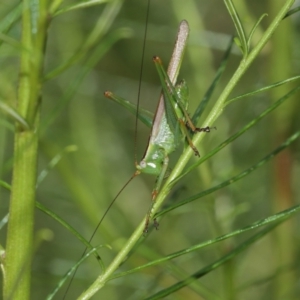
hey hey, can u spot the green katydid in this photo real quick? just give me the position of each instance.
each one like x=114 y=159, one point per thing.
x=171 y=124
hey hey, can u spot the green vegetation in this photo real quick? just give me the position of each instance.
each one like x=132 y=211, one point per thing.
x=228 y=220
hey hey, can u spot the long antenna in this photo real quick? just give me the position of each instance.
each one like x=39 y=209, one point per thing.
x=108 y=208
x=140 y=81
x=98 y=225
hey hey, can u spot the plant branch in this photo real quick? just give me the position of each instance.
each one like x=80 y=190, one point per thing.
x=19 y=244
x=215 y=112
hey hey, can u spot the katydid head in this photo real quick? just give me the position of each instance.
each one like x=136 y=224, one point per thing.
x=148 y=167
x=152 y=161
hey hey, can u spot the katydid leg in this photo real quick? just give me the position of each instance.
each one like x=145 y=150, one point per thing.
x=188 y=138
x=155 y=191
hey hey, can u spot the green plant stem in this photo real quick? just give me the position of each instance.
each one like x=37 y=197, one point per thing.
x=19 y=244
x=215 y=112
x=21 y=218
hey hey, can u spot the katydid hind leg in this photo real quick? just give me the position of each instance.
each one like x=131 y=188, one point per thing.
x=172 y=96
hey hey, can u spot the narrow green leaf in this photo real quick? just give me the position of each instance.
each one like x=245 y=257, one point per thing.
x=253 y=29
x=237 y=41
x=265 y=88
x=10 y=41
x=5 y=185
x=14 y=115
x=292 y=11
x=238 y=26
x=3 y=223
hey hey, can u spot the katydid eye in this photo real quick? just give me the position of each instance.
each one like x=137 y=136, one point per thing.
x=143 y=164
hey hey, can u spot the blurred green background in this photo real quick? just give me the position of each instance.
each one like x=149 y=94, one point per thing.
x=83 y=183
